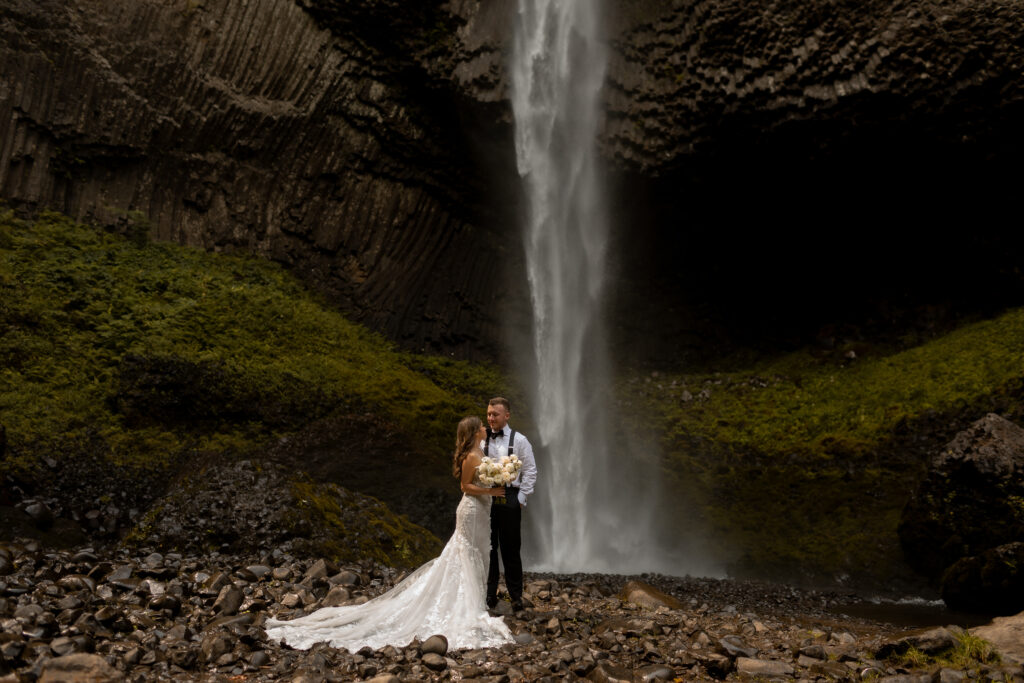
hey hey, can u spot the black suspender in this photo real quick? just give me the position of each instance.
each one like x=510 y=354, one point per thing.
x=511 y=444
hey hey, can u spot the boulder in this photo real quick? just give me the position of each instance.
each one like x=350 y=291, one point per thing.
x=647 y=596
x=931 y=641
x=1007 y=636
x=970 y=499
x=990 y=583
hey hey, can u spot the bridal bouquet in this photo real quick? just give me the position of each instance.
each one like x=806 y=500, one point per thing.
x=499 y=472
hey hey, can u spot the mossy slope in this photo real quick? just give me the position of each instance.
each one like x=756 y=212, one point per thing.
x=137 y=353
x=802 y=464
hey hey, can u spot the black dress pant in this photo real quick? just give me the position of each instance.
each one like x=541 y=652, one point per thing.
x=505 y=537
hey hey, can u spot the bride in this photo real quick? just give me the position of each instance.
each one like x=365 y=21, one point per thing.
x=445 y=596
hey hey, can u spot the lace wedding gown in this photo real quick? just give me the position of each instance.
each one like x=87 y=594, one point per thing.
x=444 y=596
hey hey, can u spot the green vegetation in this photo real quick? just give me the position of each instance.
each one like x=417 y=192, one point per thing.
x=970 y=653
x=349 y=526
x=149 y=349
x=800 y=404
x=794 y=460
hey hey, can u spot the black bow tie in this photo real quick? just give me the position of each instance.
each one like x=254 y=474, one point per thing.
x=495 y=435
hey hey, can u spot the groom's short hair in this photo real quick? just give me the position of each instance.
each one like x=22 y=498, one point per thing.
x=499 y=401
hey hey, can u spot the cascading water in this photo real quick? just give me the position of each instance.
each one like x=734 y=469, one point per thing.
x=586 y=517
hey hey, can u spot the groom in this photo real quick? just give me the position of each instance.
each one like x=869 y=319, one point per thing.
x=507 y=511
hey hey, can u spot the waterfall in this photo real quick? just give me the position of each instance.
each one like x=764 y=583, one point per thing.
x=582 y=520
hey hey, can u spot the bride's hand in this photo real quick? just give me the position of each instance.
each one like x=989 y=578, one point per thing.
x=498 y=491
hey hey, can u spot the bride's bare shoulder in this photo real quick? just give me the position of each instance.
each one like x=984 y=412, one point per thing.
x=474 y=458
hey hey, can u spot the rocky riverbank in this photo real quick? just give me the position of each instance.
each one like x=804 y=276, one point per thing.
x=81 y=615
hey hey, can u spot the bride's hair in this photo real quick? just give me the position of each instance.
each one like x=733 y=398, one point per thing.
x=465 y=441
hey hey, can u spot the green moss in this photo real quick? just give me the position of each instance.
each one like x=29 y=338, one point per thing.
x=157 y=348
x=347 y=526
x=801 y=404
x=790 y=459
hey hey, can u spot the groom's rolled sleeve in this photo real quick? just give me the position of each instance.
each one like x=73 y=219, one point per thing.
x=528 y=472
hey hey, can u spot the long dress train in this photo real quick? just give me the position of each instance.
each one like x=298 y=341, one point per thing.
x=444 y=596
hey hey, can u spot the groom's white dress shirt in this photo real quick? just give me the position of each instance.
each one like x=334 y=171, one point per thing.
x=527 y=476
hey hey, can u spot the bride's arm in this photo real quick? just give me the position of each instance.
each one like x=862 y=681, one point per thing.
x=469 y=466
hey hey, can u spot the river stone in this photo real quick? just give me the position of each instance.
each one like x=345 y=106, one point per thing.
x=966 y=503
x=815 y=651
x=320 y=569
x=213 y=646
x=989 y=583
x=735 y=646
x=229 y=600
x=717 y=665
x=647 y=596
x=606 y=672
x=763 y=667
x=1007 y=635
x=434 y=661
x=437 y=644
x=654 y=672
x=40 y=514
x=338 y=595
x=79 y=668
x=258 y=570
x=345 y=578
x=950 y=676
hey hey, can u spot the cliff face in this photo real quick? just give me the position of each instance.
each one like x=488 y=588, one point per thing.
x=247 y=125
x=367 y=146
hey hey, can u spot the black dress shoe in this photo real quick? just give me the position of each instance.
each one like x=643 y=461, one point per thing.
x=492 y=603
x=517 y=605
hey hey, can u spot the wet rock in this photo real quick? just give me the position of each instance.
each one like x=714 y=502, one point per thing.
x=214 y=646
x=734 y=646
x=40 y=514
x=385 y=678
x=606 y=672
x=833 y=670
x=258 y=571
x=437 y=644
x=338 y=595
x=950 y=676
x=763 y=667
x=320 y=569
x=345 y=578
x=654 y=672
x=166 y=602
x=964 y=506
x=715 y=664
x=814 y=651
x=434 y=662
x=228 y=600
x=647 y=596
x=989 y=583
x=79 y=668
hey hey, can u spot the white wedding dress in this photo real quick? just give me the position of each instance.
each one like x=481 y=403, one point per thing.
x=445 y=596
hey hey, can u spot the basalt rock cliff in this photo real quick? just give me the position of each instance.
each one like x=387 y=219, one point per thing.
x=367 y=145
